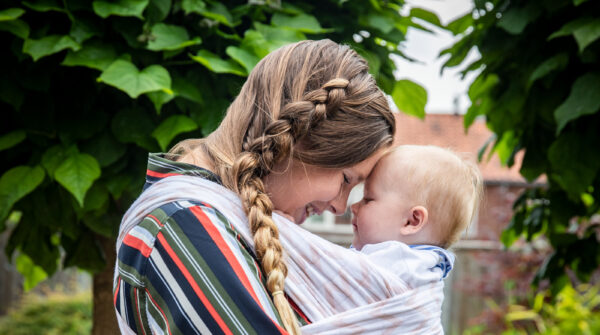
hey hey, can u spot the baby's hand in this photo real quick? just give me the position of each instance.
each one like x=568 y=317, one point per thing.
x=285 y=215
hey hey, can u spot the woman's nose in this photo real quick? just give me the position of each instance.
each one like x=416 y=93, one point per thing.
x=338 y=205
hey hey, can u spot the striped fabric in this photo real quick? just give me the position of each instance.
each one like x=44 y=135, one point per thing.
x=185 y=270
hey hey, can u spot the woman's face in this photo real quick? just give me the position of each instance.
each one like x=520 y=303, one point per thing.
x=300 y=190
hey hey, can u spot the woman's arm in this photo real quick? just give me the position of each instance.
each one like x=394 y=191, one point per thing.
x=184 y=270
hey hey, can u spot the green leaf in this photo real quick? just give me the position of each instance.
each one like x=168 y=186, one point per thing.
x=587 y=34
x=578 y=2
x=54 y=156
x=17 y=183
x=574 y=161
x=218 y=12
x=170 y=37
x=105 y=148
x=461 y=24
x=515 y=19
x=49 y=45
x=95 y=198
x=77 y=174
x=158 y=10
x=32 y=273
x=44 y=5
x=302 y=22
x=555 y=62
x=134 y=8
x=83 y=30
x=244 y=57
x=16 y=27
x=172 y=127
x=125 y=76
x=380 y=22
x=193 y=6
x=218 y=65
x=410 y=98
x=134 y=126
x=187 y=89
x=84 y=252
x=11 y=139
x=11 y=14
x=583 y=100
x=159 y=98
x=426 y=16
x=585 y=30
x=94 y=54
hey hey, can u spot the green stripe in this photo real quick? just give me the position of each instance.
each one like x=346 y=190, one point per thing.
x=126 y=271
x=209 y=274
x=155 y=312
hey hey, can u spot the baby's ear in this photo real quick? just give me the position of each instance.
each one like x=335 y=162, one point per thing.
x=416 y=220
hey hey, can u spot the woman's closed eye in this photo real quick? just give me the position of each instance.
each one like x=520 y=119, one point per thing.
x=346 y=179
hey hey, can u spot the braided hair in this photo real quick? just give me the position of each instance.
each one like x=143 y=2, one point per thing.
x=313 y=101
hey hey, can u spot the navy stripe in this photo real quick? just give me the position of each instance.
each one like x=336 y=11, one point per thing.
x=158 y=283
x=132 y=257
x=225 y=274
x=130 y=308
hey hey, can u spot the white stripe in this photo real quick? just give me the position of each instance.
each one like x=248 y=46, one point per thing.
x=257 y=286
x=130 y=277
x=184 y=305
x=165 y=165
x=122 y=303
x=153 y=324
x=143 y=234
x=205 y=279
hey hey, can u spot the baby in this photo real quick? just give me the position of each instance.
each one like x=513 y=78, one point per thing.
x=417 y=202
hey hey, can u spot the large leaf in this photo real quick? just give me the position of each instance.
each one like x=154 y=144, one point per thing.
x=11 y=14
x=32 y=273
x=217 y=64
x=105 y=148
x=583 y=100
x=193 y=6
x=159 y=98
x=54 y=156
x=94 y=54
x=44 y=5
x=170 y=37
x=515 y=20
x=244 y=57
x=49 y=45
x=134 y=8
x=218 y=12
x=133 y=126
x=158 y=10
x=575 y=161
x=553 y=63
x=587 y=34
x=410 y=98
x=302 y=22
x=16 y=27
x=77 y=174
x=17 y=183
x=11 y=139
x=82 y=30
x=125 y=76
x=172 y=127
x=461 y=24
x=426 y=16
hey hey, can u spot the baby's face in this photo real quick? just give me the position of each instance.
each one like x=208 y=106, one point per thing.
x=378 y=216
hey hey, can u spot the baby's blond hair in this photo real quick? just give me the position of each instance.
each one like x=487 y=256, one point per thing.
x=448 y=185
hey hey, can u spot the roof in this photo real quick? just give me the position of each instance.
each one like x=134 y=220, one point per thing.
x=447 y=130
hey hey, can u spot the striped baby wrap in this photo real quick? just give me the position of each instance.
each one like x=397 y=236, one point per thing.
x=340 y=290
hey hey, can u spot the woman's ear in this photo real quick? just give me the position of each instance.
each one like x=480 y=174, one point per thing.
x=416 y=220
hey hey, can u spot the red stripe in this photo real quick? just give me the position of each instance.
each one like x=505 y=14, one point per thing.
x=117 y=290
x=222 y=245
x=138 y=244
x=193 y=284
x=161 y=311
x=160 y=175
x=155 y=219
x=137 y=309
x=297 y=309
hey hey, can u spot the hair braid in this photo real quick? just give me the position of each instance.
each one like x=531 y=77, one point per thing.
x=262 y=153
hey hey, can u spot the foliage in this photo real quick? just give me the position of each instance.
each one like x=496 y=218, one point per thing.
x=572 y=311
x=88 y=88
x=538 y=89
x=55 y=314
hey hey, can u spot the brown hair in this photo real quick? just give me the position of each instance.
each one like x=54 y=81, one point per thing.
x=449 y=185
x=313 y=101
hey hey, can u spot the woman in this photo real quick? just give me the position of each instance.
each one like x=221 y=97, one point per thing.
x=307 y=126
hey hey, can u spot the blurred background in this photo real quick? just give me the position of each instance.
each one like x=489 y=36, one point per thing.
x=88 y=88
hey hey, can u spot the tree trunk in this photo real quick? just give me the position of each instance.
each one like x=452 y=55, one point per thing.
x=105 y=321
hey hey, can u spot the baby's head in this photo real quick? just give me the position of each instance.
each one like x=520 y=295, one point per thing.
x=417 y=195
